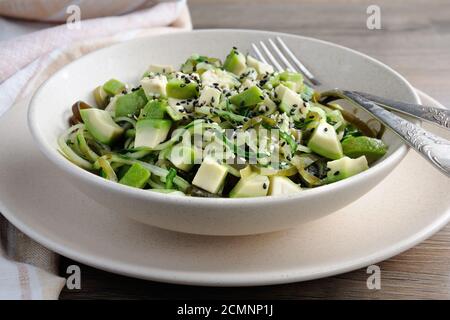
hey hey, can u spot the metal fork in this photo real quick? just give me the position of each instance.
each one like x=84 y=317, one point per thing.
x=433 y=148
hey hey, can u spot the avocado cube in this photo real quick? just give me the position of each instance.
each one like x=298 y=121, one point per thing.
x=137 y=176
x=151 y=132
x=131 y=103
x=372 y=148
x=248 y=97
x=254 y=185
x=345 y=167
x=154 y=87
x=209 y=97
x=224 y=79
x=160 y=68
x=235 y=62
x=175 y=109
x=260 y=67
x=100 y=125
x=154 y=109
x=280 y=185
x=280 y=91
x=113 y=87
x=179 y=89
x=324 y=141
x=210 y=176
x=291 y=101
x=293 y=78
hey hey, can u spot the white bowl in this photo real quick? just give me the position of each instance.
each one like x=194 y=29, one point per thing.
x=344 y=68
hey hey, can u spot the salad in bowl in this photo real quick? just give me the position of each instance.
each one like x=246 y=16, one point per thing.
x=230 y=129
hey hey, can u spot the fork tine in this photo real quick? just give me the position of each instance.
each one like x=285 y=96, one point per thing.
x=281 y=56
x=259 y=54
x=271 y=57
x=297 y=62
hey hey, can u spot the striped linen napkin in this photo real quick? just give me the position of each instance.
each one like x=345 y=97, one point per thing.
x=28 y=270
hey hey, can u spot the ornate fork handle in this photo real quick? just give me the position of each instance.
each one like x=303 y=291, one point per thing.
x=433 y=148
x=437 y=116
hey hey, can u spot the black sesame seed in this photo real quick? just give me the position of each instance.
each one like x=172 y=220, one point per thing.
x=325 y=129
x=178 y=104
x=264 y=185
x=182 y=85
x=336 y=173
x=295 y=105
x=261 y=97
x=288 y=158
x=311 y=117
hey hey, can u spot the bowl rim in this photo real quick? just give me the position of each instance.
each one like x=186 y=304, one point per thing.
x=66 y=165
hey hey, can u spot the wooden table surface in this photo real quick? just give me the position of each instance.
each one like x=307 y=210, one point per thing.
x=415 y=40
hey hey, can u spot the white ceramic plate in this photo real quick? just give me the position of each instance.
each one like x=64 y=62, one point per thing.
x=407 y=207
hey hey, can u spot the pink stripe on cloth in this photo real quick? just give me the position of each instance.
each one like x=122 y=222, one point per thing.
x=19 y=52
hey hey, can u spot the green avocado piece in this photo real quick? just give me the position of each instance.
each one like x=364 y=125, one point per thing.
x=325 y=142
x=113 y=87
x=154 y=109
x=151 y=132
x=249 y=97
x=345 y=167
x=235 y=62
x=280 y=185
x=291 y=76
x=179 y=89
x=130 y=103
x=290 y=100
x=100 y=124
x=137 y=176
x=254 y=185
x=293 y=80
x=372 y=148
